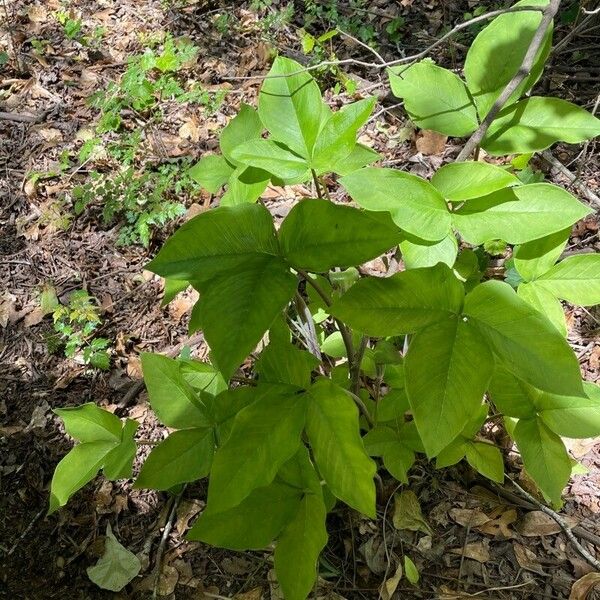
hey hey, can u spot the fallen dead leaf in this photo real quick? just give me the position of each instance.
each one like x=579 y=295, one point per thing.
x=389 y=586
x=527 y=559
x=134 y=367
x=407 y=513
x=374 y=552
x=536 y=524
x=582 y=588
x=190 y=130
x=186 y=511
x=50 y=134
x=498 y=527
x=194 y=210
x=468 y=517
x=168 y=580
x=447 y=593
x=7 y=308
x=478 y=551
x=182 y=303
x=431 y=142
x=253 y=594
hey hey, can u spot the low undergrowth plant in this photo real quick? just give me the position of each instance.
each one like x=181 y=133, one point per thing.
x=353 y=373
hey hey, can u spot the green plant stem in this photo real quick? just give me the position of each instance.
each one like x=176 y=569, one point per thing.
x=316 y=182
x=355 y=364
x=361 y=406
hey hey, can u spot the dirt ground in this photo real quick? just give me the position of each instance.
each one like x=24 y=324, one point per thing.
x=480 y=541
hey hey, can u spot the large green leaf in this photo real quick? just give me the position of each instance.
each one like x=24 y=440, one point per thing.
x=290 y=106
x=576 y=279
x=498 y=51
x=417 y=253
x=172 y=398
x=447 y=368
x=211 y=172
x=544 y=456
x=461 y=181
x=299 y=546
x=333 y=431
x=402 y=303
x=251 y=525
x=512 y=396
x=237 y=308
x=184 y=456
x=518 y=215
x=536 y=257
x=415 y=205
x=544 y=302
x=536 y=123
x=337 y=138
x=265 y=435
x=485 y=459
x=216 y=241
x=118 y=462
x=89 y=423
x=281 y=362
x=524 y=341
x=245 y=186
x=244 y=126
x=435 y=98
x=360 y=156
x=274 y=158
x=318 y=235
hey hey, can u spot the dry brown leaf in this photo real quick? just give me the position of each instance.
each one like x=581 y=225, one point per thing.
x=374 y=552
x=447 y=593
x=536 y=524
x=7 y=308
x=134 y=367
x=527 y=559
x=580 y=448
x=253 y=594
x=168 y=580
x=190 y=130
x=431 y=142
x=468 y=517
x=478 y=551
x=182 y=304
x=499 y=526
x=194 y=210
x=389 y=586
x=50 y=134
x=37 y=13
x=186 y=511
x=582 y=588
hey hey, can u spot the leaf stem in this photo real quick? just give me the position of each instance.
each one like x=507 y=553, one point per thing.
x=316 y=182
x=362 y=407
x=355 y=364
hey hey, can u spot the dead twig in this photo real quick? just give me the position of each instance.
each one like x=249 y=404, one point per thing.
x=536 y=41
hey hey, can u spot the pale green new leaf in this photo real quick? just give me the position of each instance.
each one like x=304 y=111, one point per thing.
x=333 y=430
x=299 y=546
x=415 y=205
x=202 y=376
x=448 y=367
x=576 y=279
x=412 y=573
x=237 y=308
x=211 y=172
x=518 y=215
x=251 y=525
x=486 y=459
x=265 y=435
x=435 y=98
x=545 y=302
x=523 y=340
x=90 y=423
x=216 y=241
x=244 y=126
x=184 y=456
x=544 y=456
x=360 y=156
x=535 y=123
x=119 y=461
x=318 y=235
x=290 y=106
x=274 y=158
x=402 y=303
x=462 y=181
x=116 y=567
x=417 y=253
x=538 y=256
x=498 y=51
x=245 y=186
x=172 y=398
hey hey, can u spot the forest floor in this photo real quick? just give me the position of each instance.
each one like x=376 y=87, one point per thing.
x=479 y=541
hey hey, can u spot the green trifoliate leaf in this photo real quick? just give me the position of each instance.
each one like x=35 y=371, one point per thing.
x=498 y=51
x=290 y=106
x=203 y=377
x=536 y=123
x=318 y=235
x=219 y=240
x=237 y=308
x=523 y=340
x=360 y=156
x=90 y=423
x=576 y=279
x=265 y=435
x=448 y=367
x=299 y=546
x=333 y=431
x=545 y=302
x=184 y=456
x=273 y=157
x=417 y=253
x=172 y=288
x=245 y=186
x=435 y=98
x=251 y=525
x=402 y=303
x=462 y=181
x=544 y=456
x=116 y=567
x=119 y=461
x=486 y=459
x=393 y=405
x=518 y=215
x=451 y=454
x=284 y=363
x=244 y=126
x=211 y=172
x=512 y=396
x=415 y=205
x=337 y=138
x=172 y=398
x=536 y=257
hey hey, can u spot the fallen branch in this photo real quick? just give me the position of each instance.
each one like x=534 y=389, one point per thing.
x=523 y=71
